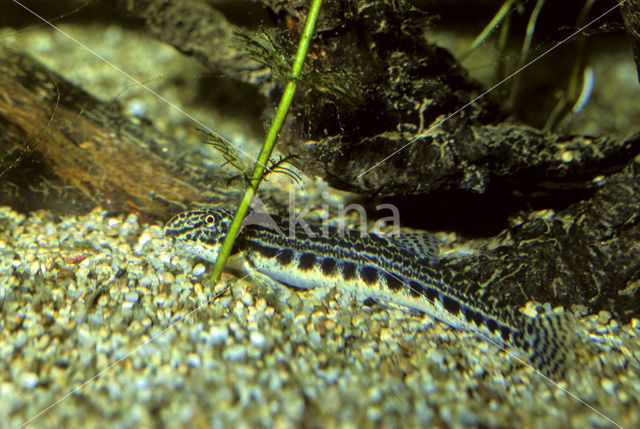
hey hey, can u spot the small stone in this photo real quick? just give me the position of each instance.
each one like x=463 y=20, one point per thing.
x=199 y=270
x=234 y=353
x=608 y=385
x=50 y=229
x=193 y=360
x=567 y=156
x=132 y=296
x=315 y=338
x=148 y=279
x=257 y=339
x=132 y=219
x=20 y=339
x=246 y=298
x=34 y=268
x=604 y=317
x=160 y=299
x=144 y=239
x=218 y=334
x=6 y=350
x=436 y=356
x=261 y=305
x=374 y=414
x=28 y=380
x=385 y=335
x=168 y=278
x=375 y=394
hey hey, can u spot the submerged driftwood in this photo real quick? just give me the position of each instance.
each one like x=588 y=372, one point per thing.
x=373 y=92
x=64 y=149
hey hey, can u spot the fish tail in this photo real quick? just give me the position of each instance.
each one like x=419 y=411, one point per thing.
x=548 y=343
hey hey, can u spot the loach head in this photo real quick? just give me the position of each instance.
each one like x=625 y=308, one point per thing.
x=200 y=232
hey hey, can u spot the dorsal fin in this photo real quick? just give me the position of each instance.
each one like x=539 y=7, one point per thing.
x=421 y=244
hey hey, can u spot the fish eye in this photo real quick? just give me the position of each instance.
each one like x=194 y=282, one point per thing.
x=209 y=219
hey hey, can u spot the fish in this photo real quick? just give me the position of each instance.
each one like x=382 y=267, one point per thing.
x=400 y=271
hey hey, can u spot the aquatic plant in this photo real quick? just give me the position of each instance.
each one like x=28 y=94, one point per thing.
x=261 y=165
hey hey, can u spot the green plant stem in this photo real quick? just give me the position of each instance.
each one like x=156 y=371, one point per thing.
x=495 y=21
x=524 y=53
x=269 y=144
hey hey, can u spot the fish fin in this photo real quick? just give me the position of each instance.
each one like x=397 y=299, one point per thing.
x=390 y=304
x=421 y=244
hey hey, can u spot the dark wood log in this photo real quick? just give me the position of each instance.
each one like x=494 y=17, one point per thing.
x=67 y=151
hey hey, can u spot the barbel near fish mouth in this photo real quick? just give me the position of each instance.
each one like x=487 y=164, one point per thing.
x=398 y=271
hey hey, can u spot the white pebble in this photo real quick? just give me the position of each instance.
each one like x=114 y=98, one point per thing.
x=218 y=334
x=193 y=360
x=315 y=338
x=436 y=357
x=234 y=353
x=50 y=229
x=199 y=270
x=160 y=299
x=132 y=219
x=132 y=296
x=34 y=267
x=28 y=380
x=257 y=339
x=608 y=385
x=136 y=107
x=246 y=298
x=144 y=239
x=149 y=279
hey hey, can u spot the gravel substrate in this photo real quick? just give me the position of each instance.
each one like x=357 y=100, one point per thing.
x=103 y=300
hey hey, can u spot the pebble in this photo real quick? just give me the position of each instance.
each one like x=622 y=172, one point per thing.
x=604 y=317
x=218 y=334
x=160 y=299
x=132 y=296
x=148 y=279
x=199 y=270
x=257 y=339
x=234 y=353
x=28 y=380
x=608 y=386
x=194 y=360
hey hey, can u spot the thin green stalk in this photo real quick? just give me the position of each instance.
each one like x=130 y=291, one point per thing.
x=495 y=21
x=269 y=144
x=503 y=39
x=571 y=94
x=524 y=53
